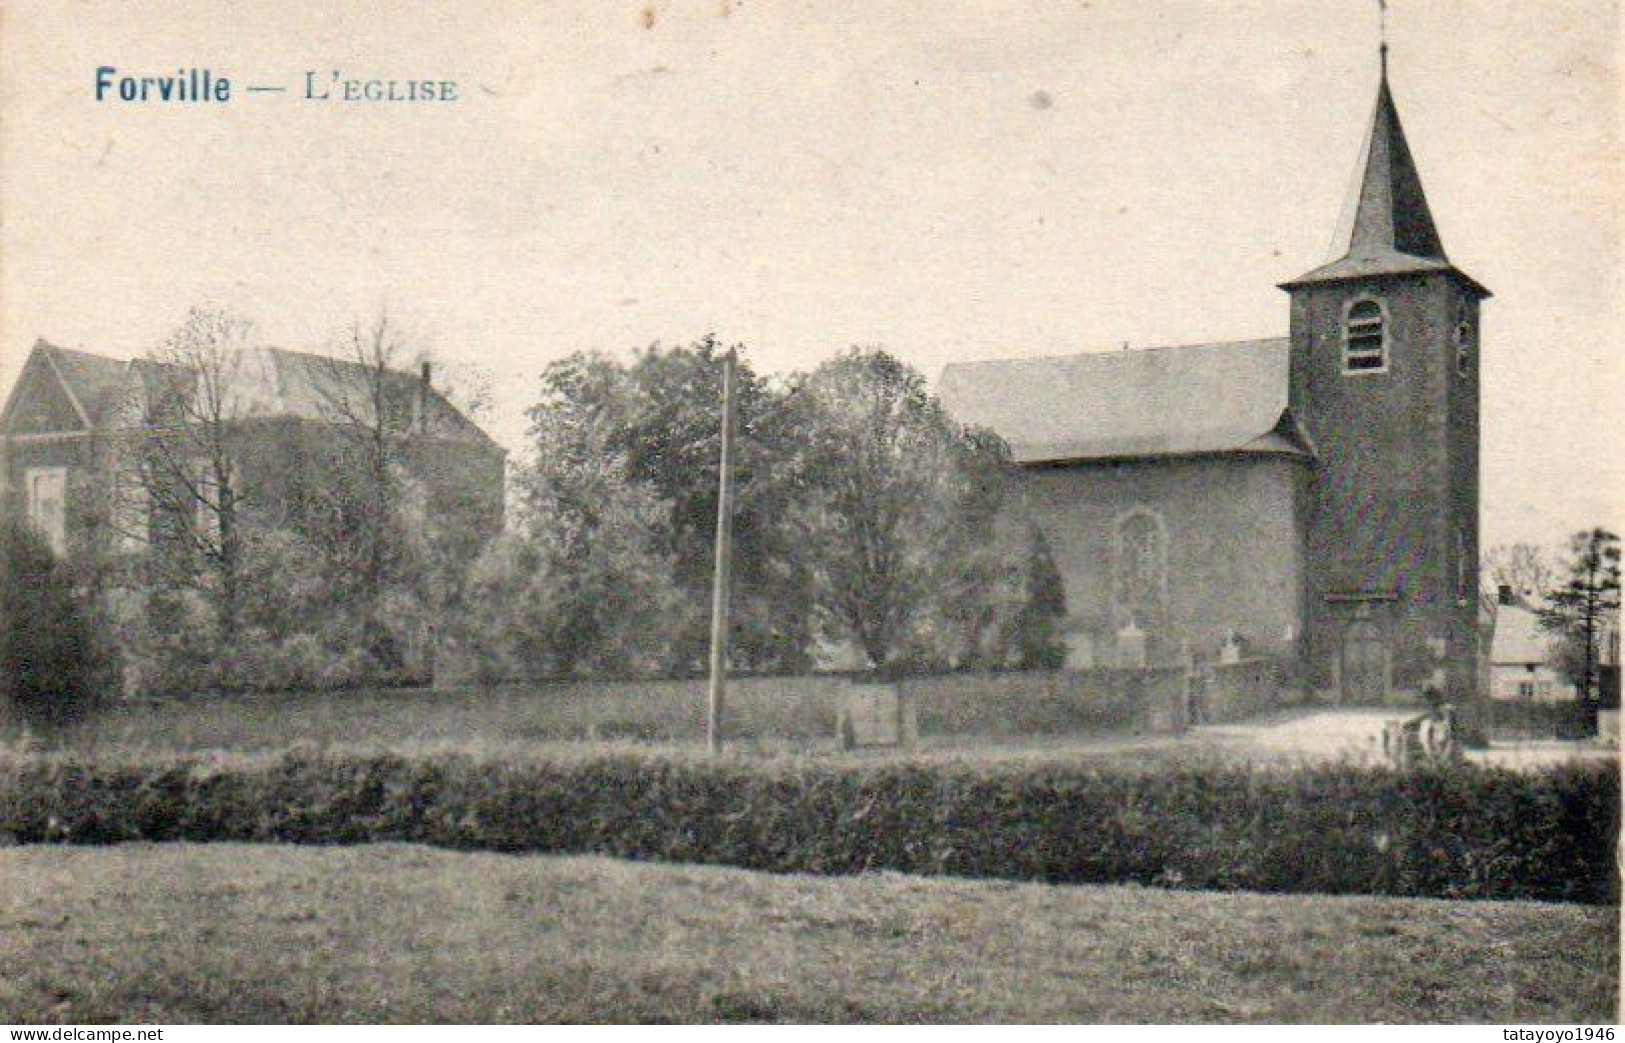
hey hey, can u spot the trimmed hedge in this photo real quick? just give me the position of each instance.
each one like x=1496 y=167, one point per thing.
x=1465 y=832
x=1510 y=720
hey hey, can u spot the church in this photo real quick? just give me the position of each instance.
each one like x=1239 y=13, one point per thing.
x=1311 y=498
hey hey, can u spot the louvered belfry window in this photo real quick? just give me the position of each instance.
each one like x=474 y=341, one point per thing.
x=1364 y=347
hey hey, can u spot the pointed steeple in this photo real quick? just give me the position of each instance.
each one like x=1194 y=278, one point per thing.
x=1391 y=211
x=1386 y=226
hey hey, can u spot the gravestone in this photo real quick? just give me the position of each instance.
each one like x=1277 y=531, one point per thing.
x=876 y=715
x=1608 y=727
x=1080 y=650
x=1131 y=646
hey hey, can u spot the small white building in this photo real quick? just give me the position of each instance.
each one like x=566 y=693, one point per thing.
x=1523 y=660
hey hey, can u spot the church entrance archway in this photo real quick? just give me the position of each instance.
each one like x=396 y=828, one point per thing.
x=1363 y=670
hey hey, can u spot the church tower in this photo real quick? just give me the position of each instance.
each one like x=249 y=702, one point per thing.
x=1384 y=382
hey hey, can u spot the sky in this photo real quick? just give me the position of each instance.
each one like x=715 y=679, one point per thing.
x=951 y=181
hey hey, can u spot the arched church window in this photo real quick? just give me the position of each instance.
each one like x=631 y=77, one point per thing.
x=1365 y=340
x=1141 y=568
x=1464 y=347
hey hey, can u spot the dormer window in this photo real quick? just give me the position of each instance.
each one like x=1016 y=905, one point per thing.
x=1365 y=344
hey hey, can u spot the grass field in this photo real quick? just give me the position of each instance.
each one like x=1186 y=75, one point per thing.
x=772 y=716
x=525 y=721
x=178 y=933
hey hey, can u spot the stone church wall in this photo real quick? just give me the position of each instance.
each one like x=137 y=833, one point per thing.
x=1231 y=557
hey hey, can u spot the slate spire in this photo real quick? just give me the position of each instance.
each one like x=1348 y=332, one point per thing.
x=1390 y=213
x=1386 y=226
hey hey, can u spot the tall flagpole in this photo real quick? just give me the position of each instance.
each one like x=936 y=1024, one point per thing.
x=719 y=588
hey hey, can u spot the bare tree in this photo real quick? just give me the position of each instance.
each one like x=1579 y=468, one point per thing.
x=183 y=467
x=1523 y=567
x=378 y=412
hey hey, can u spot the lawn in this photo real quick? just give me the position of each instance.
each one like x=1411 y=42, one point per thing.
x=390 y=933
x=669 y=715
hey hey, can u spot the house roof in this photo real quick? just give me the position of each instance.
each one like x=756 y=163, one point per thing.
x=266 y=383
x=1203 y=398
x=277 y=382
x=1387 y=227
x=94 y=381
x=1519 y=637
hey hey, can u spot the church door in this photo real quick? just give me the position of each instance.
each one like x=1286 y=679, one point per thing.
x=1364 y=667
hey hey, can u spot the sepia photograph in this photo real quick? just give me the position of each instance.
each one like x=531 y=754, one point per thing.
x=693 y=512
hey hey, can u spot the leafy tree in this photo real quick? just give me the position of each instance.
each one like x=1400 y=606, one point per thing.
x=898 y=506
x=643 y=437
x=999 y=602
x=670 y=431
x=1581 y=609
x=584 y=585
x=534 y=612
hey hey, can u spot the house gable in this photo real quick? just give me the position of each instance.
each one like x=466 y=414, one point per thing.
x=41 y=401
x=1520 y=639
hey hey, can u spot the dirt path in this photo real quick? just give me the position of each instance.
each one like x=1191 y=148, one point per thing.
x=1356 y=734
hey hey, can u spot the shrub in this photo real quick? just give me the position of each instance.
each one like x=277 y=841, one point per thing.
x=1460 y=833
x=53 y=660
x=607 y=609
x=172 y=646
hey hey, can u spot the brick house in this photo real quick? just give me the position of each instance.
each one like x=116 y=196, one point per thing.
x=1316 y=494
x=72 y=426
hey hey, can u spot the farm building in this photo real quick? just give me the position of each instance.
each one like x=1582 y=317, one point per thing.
x=75 y=424
x=1314 y=494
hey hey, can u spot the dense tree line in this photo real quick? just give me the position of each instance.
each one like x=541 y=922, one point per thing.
x=871 y=531
x=866 y=520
